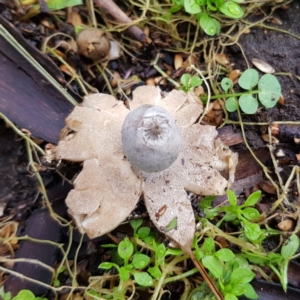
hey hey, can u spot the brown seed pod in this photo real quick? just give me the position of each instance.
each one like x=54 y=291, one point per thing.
x=222 y=59
x=93 y=43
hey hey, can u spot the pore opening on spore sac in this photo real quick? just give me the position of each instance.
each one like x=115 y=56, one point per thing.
x=155 y=128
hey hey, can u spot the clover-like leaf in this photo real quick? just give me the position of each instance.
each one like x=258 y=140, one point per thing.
x=195 y=81
x=270 y=90
x=231 y=104
x=248 y=79
x=226 y=84
x=248 y=104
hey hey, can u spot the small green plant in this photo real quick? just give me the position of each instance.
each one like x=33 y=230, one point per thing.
x=55 y=4
x=278 y=262
x=203 y=10
x=236 y=214
x=131 y=263
x=22 y=295
x=268 y=90
x=159 y=265
x=189 y=82
x=231 y=271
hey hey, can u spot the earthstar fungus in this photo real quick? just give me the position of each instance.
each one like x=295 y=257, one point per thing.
x=109 y=186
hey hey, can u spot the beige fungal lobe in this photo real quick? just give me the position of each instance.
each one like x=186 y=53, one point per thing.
x=151 y=139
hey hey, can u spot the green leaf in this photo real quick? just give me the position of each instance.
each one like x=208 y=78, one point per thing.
x=78 y=29
x=237 y=289
x=257 y=259
x=210 y=213
x=270 y=90
x=213 y=265
x=143 y=232
x=248 y=104
x=155 y=272
x=229 y=217
x=249 y=291
x=225 y=255
x=115 y=257
x=240 y=261
x=208 y=25
x=248 y=79
x=275 y=258
x=185 y=80
x=109 y=246
x=107 y=265
x=142 y=278
x=284 y=276
x=206 y=202
x=24 y=295
x=135 y=224
x=149 y=240
x=250 y=213
x=231 y=104
x=241 y=275
x=211 y=5
x=172 y=225
x=229 y=296
x=231 y=10
x=208 y=246
x=175 y=8
x=160 y=253
x=178 y=2
x=124 y=273
x=125 y=249
x=195 y=81
x=226 y=84
x=173 y=251
x=60 y=4
x=192 y=7
x=252 y=199
x=140 y=261
x=290 y=247
x=252 y=230
x=231 y=197
x=3 y=295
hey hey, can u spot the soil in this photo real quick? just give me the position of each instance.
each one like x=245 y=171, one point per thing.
x=19 y=190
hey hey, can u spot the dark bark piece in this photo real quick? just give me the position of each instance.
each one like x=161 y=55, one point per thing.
x=230 y=137
x=273 y=291
x=40 y=226
x=247 y=165
x=27 y=99
x=43 y=59
x=293 y=274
